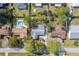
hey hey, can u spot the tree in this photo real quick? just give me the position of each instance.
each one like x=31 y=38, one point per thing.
x=54 y=47
x=6 y=16
x=76 y=43
x=28 y=44
x=38 y=45
x=14 y=42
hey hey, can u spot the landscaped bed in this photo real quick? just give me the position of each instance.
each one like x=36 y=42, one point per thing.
x=70 y=43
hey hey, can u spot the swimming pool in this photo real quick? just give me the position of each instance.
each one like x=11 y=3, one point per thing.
x=20 y=23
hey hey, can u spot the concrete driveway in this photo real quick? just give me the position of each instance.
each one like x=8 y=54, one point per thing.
x=74 y=50
x=15 y=50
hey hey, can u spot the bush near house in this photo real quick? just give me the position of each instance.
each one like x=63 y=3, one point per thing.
x=14 y=42
x=54 y=47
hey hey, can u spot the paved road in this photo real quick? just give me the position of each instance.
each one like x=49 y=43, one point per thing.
x=76 y=50
x=16 y=50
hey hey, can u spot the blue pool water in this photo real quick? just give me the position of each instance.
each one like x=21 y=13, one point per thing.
x=20 y=23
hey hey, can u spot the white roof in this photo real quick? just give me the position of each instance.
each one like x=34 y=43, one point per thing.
x=58 y=4
x=38 y=4
x=75 y=5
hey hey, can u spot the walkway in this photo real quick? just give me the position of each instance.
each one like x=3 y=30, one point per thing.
x=74 y=50
x=15 y=50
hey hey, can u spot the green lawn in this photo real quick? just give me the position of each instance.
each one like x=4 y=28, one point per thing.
x=0 y=43
x=72 y=54
x=69 y=44
x=2 y=54
x=75 y=21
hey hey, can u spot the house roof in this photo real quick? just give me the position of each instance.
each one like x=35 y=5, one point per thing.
x=74 y=32
x=58 y=32
x=75 y=4
x=1 y=4
x=4 y=32
x=19 y=31
x=21 y=5
x=38 y=4
x=38 y=31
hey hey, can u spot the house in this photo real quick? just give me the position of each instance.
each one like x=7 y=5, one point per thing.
x=39 y=32
x=58 y=32
x=5 y=31
x=73 y=32
x=22 y=5
x=74 y=5
x=21 y=29
x=56 y=4
x=3 y=5
x=20 y=32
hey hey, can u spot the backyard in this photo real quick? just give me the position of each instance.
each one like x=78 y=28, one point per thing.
x=19 y=13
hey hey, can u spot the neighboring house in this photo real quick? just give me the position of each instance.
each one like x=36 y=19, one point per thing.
x=22 y=5
x=39 y=32
x=38 y=4
x=5 y=31
x=3 y=5
x=56 y=4
x=74 y=5
x=58 y=32
x=20 y=32
x=20 y=29
x=73 y=32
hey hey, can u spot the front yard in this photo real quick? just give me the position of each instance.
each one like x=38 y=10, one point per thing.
x=2 y=54
x=0 y=43
x=70 y=43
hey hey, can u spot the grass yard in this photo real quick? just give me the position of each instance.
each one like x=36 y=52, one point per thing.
x=76 y=12
x=75 y=21
x=0 y=43
x=72 y=54
x=69 y=44
x=2 y=54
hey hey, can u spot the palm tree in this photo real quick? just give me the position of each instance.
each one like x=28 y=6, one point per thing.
x=30 y=18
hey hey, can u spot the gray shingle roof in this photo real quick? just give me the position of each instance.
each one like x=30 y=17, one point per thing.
x=39 y=31
x=21 y=5
x=74 y=32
